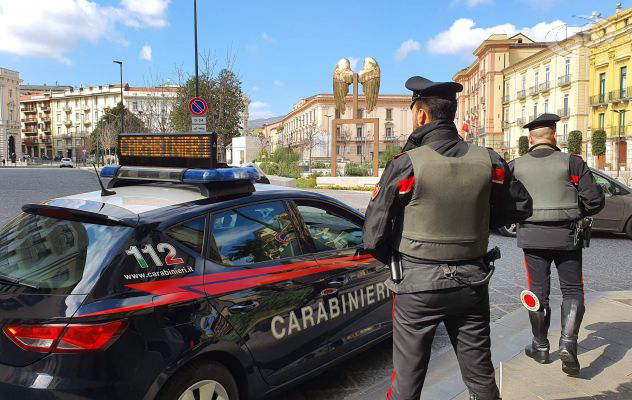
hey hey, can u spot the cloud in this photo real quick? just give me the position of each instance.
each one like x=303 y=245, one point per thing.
x=407 y=47
x=474 y=3
x=266 y=38
x=354 y=62
x=259 y=109
x=278 y=83
x=255 y=88
x=53 y=28
x=145 y=53
x=463 y=37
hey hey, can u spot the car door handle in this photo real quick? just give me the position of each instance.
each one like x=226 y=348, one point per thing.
x=245 y=307
x=338 y=282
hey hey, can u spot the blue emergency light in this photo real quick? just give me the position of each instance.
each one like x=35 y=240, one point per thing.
x=183 y=175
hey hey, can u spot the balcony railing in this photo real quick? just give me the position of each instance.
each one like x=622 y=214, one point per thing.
x=68 y=122
x=533 y=90
x=564 y=80
x=598 y=99
x=44 y=139
x=67 y=109
x=521 y=94
x=30 y=120
x=390 y=138
x=29 y=140
x=29 y=109
x=544 y=86
x=621 y=130
x=520 y=122
x=506 y=99
x=564 y=112
x=30 y=131
x=45 y=109
x=620 y=94
x=506 y=125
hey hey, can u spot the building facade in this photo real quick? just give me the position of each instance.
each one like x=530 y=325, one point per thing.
x=553 y=80
x=35 y=114
x=76 y=111
x=10 y=139
x=307 y=128
x=610 y=91
x=480 y=104
x=270 y=133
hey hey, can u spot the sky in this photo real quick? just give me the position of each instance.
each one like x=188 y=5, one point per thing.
x=281 y=50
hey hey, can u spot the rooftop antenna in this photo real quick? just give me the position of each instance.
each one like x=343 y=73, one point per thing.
x=104 y=191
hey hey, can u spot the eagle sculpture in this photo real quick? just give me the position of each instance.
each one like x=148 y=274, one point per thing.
x=343 y=77
x=369 y=77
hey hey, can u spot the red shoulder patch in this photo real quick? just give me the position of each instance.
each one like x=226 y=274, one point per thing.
x=575 y=179
x=498 y=175
x=405 y=185
x=398 y=155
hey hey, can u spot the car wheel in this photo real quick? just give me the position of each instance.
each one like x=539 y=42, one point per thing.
x=628 y=228
x=201 y=380
x=508 y=230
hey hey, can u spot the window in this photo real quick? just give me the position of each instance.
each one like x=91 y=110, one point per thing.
x=60 y=143
x=359 y=150
x=602 y=87
x=134 y=106
x=76 y=116
x=337 y=114
x=622 y=82
x=607 y=185
x=524 y=82
x=566 y=104
x=253 y=234
x=564 y=131
x=389 y=131
x=359 y=132
x=547 y=74
x=567 y=67
x=337 y=149
x=360 y=112
x=536 y=79
x=621 y=120
x=389 y=113
x=601 y=121
x=190 y=234
x=58 y=117
x=59 y=130
x=338 y=131
x=546 y=105
x=329 y=229
x=535 y=110
x=523 y=113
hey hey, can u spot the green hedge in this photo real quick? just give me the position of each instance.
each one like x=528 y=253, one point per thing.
x=353 y=169
x=388 y=154
x=599 y=143
x=523 y=145
x=575 y=139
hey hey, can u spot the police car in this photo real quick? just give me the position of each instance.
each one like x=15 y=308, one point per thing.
x=183 y=283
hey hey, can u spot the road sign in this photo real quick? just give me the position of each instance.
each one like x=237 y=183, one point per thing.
x=197 y=106
x=198 y=128
x=198 y=120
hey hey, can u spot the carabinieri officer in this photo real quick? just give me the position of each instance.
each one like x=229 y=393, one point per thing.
x=433 y=207
x=563 y=192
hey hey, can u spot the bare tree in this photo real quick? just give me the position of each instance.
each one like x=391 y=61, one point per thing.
x=155 y=107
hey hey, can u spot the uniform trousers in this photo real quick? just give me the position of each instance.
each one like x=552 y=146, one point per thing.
x=569 y=269
x=465 y=314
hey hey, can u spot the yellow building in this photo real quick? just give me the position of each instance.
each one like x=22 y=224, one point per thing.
x=610 y=93
x=553 y=80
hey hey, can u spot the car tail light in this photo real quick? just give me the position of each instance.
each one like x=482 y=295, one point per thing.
x=65 y=338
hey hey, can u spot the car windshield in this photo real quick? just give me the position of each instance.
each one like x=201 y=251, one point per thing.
x=57 y=255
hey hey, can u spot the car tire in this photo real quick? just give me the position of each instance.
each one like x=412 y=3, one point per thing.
x=628 y=228
x=199 y=377
x=508 y=230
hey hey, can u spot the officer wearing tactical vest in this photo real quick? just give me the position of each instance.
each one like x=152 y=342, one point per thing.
x=430 y=214
x=563 y=193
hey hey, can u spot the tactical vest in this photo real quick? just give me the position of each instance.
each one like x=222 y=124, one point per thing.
x=447 y=218
x=549 y=183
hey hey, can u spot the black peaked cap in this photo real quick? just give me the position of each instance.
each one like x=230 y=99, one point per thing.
x=425 y=88
x=544 y=120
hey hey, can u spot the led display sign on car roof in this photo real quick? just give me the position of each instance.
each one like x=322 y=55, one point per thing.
x=178 y=150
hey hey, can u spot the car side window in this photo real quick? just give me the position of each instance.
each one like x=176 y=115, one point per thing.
x=329 y=229
x=252 y=234
x=608 y=187
x=190 y=234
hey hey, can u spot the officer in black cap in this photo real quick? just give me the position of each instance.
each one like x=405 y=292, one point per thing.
x=564 y=193
x=430 y=215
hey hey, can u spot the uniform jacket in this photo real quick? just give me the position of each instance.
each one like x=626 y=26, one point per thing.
x=509 y=202
x=560 y=235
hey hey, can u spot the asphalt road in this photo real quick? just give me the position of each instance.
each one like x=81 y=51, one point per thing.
x=607 y=266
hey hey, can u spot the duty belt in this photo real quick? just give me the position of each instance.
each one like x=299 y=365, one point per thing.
x=583 y=232
x=488 y=260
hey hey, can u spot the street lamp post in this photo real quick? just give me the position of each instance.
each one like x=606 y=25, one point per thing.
x=120 y=63
x=328 y=133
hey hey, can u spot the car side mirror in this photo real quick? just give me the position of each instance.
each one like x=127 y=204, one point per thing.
x=616 y=190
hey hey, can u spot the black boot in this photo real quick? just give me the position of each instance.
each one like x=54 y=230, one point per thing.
x=572 y=315
x=539 y=347
x=474 y=396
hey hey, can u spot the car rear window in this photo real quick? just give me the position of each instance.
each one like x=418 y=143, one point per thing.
x=59 y=255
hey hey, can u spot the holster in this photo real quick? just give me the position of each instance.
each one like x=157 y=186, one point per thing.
x=583 y=232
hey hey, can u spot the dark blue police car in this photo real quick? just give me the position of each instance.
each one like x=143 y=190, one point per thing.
x=183 y=284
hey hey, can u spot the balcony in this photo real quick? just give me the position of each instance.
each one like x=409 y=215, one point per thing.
x=29 y=141
x=621 y=130
x=86 y=108
x=86 y=121
x=45 y=109
x=544 y=87
x=534 y=91
x=390 y=138
x=46 y=128
x=30 y=120
x=598 y=100
x=45 y=118
x=564 y=112
x=28 y=110
x=506 y=99
x=67 y=109
x=68 y=122
x=480 y=131
x=620 y=95
x=44 y=139
x=506 y=125
x=564 y=80
x=521 y=94
x=520 y=122
x=30 y=131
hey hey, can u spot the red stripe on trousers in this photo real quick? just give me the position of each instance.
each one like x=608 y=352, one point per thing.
x=526 y=265
x=390 y=389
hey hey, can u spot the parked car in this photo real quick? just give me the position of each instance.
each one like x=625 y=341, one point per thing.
x=615 y=217
x=66 y=162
